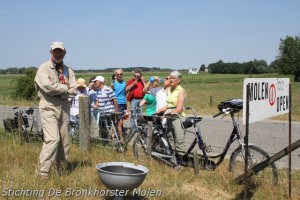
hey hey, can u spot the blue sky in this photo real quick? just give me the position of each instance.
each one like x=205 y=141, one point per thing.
x=151 y=33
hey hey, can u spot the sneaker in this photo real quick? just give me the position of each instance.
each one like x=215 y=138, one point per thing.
x=43 y=177
x=178 y=168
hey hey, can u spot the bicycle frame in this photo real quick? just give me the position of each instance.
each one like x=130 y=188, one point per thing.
x=235 y=135
x=107 y=119
x=31 y=134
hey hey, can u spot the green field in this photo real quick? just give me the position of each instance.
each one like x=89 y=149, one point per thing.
x=204 y=91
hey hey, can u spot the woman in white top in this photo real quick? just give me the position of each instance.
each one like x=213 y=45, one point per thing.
x=82 y=91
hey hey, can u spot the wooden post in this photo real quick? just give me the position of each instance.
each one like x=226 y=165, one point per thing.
x=84 y=123
x=20 y=129
x=290 y=141
x=196 y=162
x=210 y=101
x=246 y=143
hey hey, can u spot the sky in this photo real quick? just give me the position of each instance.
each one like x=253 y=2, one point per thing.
x=176 y=34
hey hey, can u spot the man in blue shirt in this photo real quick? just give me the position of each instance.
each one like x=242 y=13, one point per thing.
x=119 y=86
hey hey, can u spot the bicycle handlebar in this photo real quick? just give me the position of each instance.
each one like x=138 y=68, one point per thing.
x=217 y=114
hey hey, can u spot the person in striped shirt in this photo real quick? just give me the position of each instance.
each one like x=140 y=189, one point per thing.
x=105 y=96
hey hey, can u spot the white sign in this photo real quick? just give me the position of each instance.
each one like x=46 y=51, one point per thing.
x=268 y=97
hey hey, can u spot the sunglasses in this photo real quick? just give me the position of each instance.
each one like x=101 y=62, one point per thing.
x=136 y=75
x=119 y=74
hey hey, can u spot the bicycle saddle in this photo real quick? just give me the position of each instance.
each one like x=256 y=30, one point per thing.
x=72 y=123
x=190 y=121
x=29 y=111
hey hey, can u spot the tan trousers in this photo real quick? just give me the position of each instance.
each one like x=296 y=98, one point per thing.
x=178 y=134
x=56 y=146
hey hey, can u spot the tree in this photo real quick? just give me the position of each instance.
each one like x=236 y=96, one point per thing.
x=24 y=86
x=288 y=60
x=202 y=68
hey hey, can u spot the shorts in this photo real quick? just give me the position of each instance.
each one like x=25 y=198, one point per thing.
x=121 y=108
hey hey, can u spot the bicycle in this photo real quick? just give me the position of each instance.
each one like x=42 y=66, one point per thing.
x=163 y=151
x=74 y=131
x=108 y=133
x=34 y=133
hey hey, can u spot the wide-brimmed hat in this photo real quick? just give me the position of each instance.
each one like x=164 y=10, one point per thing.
x=81 y=82
x=57 y=45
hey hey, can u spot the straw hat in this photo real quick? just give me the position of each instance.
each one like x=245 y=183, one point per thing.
x=81 y=82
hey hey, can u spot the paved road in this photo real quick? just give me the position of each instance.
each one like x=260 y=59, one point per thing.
x=270 y=135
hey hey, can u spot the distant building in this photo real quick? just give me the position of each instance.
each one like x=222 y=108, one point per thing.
x=193 y=71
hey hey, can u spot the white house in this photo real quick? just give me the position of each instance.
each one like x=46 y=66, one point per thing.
x=193 y=71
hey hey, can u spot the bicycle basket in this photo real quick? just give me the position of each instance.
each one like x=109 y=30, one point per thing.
x=233 y=103
x=25 y=120
x=29 y=111
x=187 y=124
x=190 y=121
x=10 y=125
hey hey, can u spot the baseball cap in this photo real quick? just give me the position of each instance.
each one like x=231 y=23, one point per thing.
x=57 y=45
x=99 y=78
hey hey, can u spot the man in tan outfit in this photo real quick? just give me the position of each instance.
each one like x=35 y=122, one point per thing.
x=54 y=83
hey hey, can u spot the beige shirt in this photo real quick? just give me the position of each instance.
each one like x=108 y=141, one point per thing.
x=52 y=93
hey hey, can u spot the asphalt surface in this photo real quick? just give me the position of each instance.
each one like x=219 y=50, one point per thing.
x=270 y=135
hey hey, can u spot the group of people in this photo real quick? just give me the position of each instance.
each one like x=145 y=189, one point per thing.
x=59 y=94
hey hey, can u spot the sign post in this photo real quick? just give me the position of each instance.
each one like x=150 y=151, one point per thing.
x=265 y=98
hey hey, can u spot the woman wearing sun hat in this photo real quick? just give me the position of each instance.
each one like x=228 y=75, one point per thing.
x=82 y=91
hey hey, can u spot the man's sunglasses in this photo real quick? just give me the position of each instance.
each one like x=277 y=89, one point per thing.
x=119 y=74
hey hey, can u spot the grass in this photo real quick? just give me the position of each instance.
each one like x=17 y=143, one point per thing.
x=204 y=91
x=19 y=162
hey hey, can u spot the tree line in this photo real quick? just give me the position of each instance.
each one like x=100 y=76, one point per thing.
x=286 y=62
x=251 y=67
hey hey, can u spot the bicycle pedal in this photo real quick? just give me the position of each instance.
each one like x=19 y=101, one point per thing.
x=211 y=165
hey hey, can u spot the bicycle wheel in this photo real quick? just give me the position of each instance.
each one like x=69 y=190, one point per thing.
x=24 y=137
x=255 y=156
x=41 y=135
x=104 y=136
x=9 y=125
x=73 y=133
x=140 y=146
x=160 y=145
x=121 y=148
